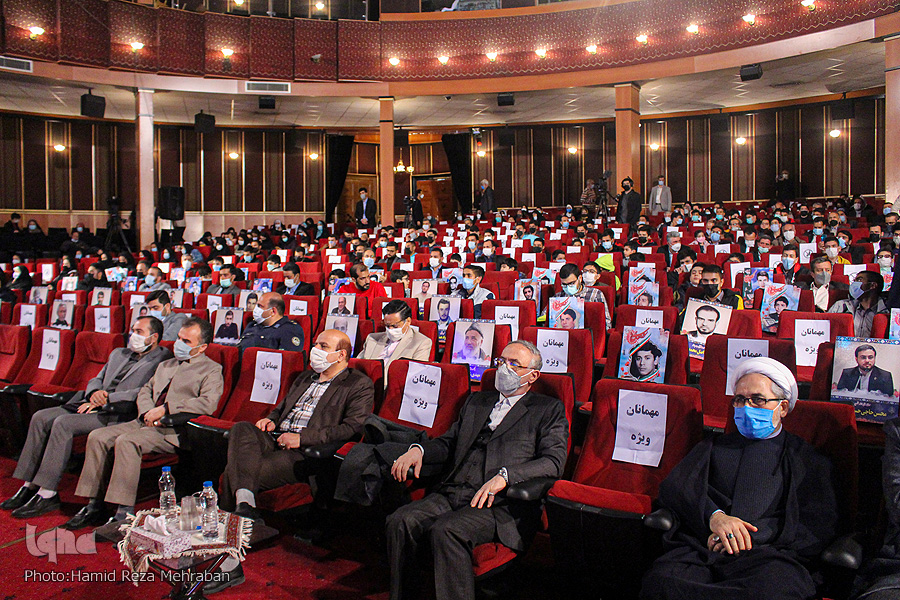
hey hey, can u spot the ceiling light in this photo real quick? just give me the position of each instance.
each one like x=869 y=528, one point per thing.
x=642 y=39
x=573 y=150
x=810 y=4
x=320 y=6
x=491 y=56
x=394 y=61
x=227 y=52
x=835 y=133
x=35 y=32
x=749 y=19
x=233 y=155
x=592 y=49
x=135 y=46
x=541 y=52
x=481 y=153
x=313 y=156
x=654 y=146
x=443 y=59
x=59 y=148
x=740 y=141
x=693 y=28
x=239 y=2
x=401 y=168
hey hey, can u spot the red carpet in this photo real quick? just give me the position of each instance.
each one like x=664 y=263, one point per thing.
x=350 y=566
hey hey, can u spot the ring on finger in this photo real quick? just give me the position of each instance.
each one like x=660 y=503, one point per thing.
x=730 y=536
x=490 y=493
x=717 y=539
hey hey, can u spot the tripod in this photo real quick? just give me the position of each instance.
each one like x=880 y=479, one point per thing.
x=114 y=226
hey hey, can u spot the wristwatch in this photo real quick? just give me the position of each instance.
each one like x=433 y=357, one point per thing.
x=504 y=474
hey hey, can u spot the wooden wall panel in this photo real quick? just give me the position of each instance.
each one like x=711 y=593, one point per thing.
x=654 y=161
x=439 y=161
x=190 y=169
x=168 y=157
x=720 y=142
x=105 y=157
x=609 y=156
x=315 y=174
x=766 y=153
x=34 y=156
x=837 y=156
x=698 y=160
x=879 y=146
x=232 y=171
x=253 y=170
x=367 y=158
x=10 y=162
x=126 y=167
x=212 y=171
x=503 y=183
x=862 y=147
x=82 y=165
x=293 y=179
x=812 y=151
x=742 y=163
x=677 y=160
x=523 y=172
x=574 y=166
x=788 y=144
x=273 y=170
x=58 y=166
x=542 y=146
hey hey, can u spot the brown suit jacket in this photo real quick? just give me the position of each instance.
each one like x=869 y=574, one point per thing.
x=341 y=411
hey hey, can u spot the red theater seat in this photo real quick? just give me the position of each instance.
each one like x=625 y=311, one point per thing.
x=677 y=358
x=579 y=356
x=112 y=317
x=841 y=325
x=525 y=317
x=15 y=342
x=626 y=315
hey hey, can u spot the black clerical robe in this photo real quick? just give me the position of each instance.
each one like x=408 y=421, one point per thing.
x=783 y=486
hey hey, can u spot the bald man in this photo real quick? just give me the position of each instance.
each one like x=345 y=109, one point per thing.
x=270 y=328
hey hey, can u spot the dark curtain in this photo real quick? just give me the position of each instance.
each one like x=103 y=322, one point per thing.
x=338 y=149
x=458 y=147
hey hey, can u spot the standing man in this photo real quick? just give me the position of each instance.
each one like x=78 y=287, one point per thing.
x=784 y=187
x=366 y=209
x=628 y=210
x=660 y=197
x=487 y=197
x=589 y=198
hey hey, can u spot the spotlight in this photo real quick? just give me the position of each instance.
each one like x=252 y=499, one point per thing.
x=59 y=148
x=693 y=28
x=481 y=153
x=810 y=4
x=740 y=141
x=313 y=156
x=835 y=133
x=573 y=150
x=239 y=2
x=592 y=49
x=394 y=61
x=443 y=59
x=233 y=155
x=491 y=56
x=320 y=6
x=135 y=46
x=35 y=32
x=227 y=52
x=654 y=146
x=642 y=39
x=749 y=19
x=541 y=52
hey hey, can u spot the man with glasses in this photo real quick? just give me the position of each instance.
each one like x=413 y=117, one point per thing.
x=571 y=278
x=503 y=437
x=752 y=507
x=398 y=340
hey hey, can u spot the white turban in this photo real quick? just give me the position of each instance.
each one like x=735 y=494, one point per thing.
x=772 y=369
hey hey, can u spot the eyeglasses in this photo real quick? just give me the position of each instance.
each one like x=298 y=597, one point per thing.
x=514 y=364
x=756 y=401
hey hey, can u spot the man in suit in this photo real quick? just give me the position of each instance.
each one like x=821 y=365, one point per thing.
x=822 y=285
x=108 y=398
x=61 y=321
x=160 y=306
x=155 y=280
x=399 y=340
x=487 y=197
x=341 y=307
x=671 y=249
x=366 y=209
x=660 y=197
x=292 y=285
x=502 y=438
x=228 y=275
x=865 y=376
x=189 y=383
x=629 y=205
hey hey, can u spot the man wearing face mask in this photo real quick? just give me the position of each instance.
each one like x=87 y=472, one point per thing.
x=471 y=288
x=784 y=187
x=502 y=438
x=629 y=203
x=660 y=197
x=571 y=279
x=155 y=280
x=366 y=209
x=711 y=283
x=107 y=399
x=672 y=247
x=434 y=262
x=832 y=248
x=608 y=242
x=228 y=275
x=864 y=303
x=787 y=236
x=399 y=339
x=159 y=305
x=822 y=285
x=12 y=226
x=759 y=489
x=488 y=252
x=292 y=285
x=270 y=328
x=361 y=285
x=790 y=266
x=191 y=383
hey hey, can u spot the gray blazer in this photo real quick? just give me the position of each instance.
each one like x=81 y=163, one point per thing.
x=234 y=290
x=172 y=325
x=128 y=387
x=665 y=199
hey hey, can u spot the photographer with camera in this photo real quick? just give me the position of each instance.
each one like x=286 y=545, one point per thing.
x=589 y=198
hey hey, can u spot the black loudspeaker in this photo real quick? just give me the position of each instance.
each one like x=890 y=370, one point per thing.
x=506 y=99
x=204 y=123
x=267 y=103
x=843 y=109
x=93 y=106
x=401 y=137
x=751 y=72
x=170 y=203
x=506 y=138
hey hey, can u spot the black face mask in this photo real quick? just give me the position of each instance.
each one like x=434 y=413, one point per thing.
x=874 y=237
x=710 y=290
x=832 y=223
x=803 y=213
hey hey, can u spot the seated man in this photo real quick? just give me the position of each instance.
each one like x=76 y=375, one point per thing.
x=228 y=274
x=108 y=398
x=864 y=302
x=822 y=285
x=292 y=285
x=399 y=340
x=711 y=281
x=501 y=438
x=361 y=285
x=270 y=328
x=750 y=507
x=154 y=281
x=189 y=383
x=471 y=288
x=571 y=278
x=160 y=306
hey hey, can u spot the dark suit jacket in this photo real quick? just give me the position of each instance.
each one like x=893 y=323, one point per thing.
x=530 y=442
x=629 y=209
x=371 y=210
x=302 y=289
x=487 y=200
x=879 y=380
x=341 y=410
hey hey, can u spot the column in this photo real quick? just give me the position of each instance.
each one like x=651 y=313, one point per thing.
x=145 y=172
x=386 y=160
x=892 y=119
x=628 y=135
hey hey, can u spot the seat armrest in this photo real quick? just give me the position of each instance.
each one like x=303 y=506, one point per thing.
x=59 y=397
x=323 y=451
x=661 y=519
x=846 y=552
x=530 y=490
x=178 y=419
x=212 y=425
x=16 y=388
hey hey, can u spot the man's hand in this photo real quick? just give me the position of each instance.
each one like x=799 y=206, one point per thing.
x=364 y=221
x=714 y=544
x=85 y=408
x=733 y=533
x=152 y=416
x=289 y=440
x=412 y=458
x=99 y=398
x=484 y=497
x=265 y=425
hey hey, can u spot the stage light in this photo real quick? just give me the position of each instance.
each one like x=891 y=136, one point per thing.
x=227 y=52
x=740 y=141
x=491 y=56
x=654 y=146
x=59 y=148
x=693 y=28
x=642 y=39
x=541 y=52
x=233 y=155
x=749 y=19
x=394 y=61
x=592 y=49
x=313 y=156
x=35 y=32
x=835 y=133
x=443 y=59
x=135 y=46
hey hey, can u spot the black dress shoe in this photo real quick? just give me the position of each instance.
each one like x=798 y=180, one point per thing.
x=88 y=516
x=37 y=506
x=248 y=512
x=19 y=499
x=224 y=579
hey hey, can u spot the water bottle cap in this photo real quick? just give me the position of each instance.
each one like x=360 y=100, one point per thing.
x=166 y=469
x=207 y=484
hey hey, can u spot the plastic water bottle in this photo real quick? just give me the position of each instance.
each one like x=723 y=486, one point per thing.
x=210 y=508
x=167 y=502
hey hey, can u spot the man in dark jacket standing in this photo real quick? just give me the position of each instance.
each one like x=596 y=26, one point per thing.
x=630 y=204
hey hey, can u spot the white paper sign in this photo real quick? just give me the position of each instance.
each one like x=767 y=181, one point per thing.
x=735 y=269
x=722 y=249
x=640 y=428
x=774 y=260
x=213 y=303
x=27 y=315
x=517 y=244
x=554 y=347
x=808 y=334
x=420 y=394
x=136 y=299
x=331 y=251
x=333 y=260
x=101 y=319
x=267 y=379
x=648 y=318
x=508 y=315
x=47 y=272
x=806 y=251
x=739 y=351
x=49 y=350
x=298 y=307
x=851 y=271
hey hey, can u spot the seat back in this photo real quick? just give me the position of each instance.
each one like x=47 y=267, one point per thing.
x=579 y=356
x=454 y=388
x=502 y=337
x=516 y=313
x=880 y=326
x=626 y=315
x=92 y=352
x=129 y=299
x=841 y=323
x=677 y=358
x=31 y=315
x=303 y=305
x=203 y=300
x=50 y=356
x=228 y=357
x=595 y=324
x=684 y=429
x=105 y=319
x=242 y=405
x=374 y=370
x=79 y=297
x=113 y=295
x=15 y=341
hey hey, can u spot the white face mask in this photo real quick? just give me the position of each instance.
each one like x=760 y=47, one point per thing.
x=318 y=360
x=394 y=333
x=434 y=262
x=676 y=247
x=831 y=253
x=137 y=343
x=258 y=314
x=788 y=234
x=588 y=278
x=885 y=262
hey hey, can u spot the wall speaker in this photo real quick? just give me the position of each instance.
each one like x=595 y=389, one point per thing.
x=401 y=137
x=93 y=106
x=506 y=138
x=506 y=99
x=843 y=109
x=751 y=72
x=204 y=123
x=267 y=103
x=170 y=203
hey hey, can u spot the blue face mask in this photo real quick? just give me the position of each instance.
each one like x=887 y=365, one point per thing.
x=565 y=225
x=817 y=231
x=155 y=313
x=787 y=262
x=887 y=210
x=468 y=284
x=749 y=220
x=570 y=289
x=607 y=246
x=369 y=262
x=754 y=423
x=842 y=242
x=181 y=350
x=695 y=218
x=149 y=279
x=856 y=290
x=715 y=237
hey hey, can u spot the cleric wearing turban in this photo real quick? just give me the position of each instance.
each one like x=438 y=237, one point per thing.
x=751 y=507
